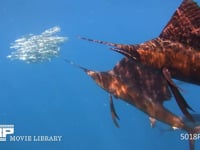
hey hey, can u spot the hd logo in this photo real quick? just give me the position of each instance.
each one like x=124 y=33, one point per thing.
x=5 y=130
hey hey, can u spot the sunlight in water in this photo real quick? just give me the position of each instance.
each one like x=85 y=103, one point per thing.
x=37 y=48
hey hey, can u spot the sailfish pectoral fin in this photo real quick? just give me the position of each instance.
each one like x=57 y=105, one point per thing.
x=183 y=105
x=168 y=77
x=113 y=112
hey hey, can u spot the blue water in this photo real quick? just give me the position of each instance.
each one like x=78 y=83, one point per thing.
x=58 y=99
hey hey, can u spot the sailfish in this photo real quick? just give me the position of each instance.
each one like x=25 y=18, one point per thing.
x=144 y=77
x=142 y=87
x=175 y=52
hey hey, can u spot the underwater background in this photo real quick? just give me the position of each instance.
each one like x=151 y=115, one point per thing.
x=55 y=98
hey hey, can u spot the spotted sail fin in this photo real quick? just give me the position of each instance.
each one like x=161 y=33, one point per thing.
x=184 y=26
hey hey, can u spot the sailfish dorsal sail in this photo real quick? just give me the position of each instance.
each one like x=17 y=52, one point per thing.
x=184 y=26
